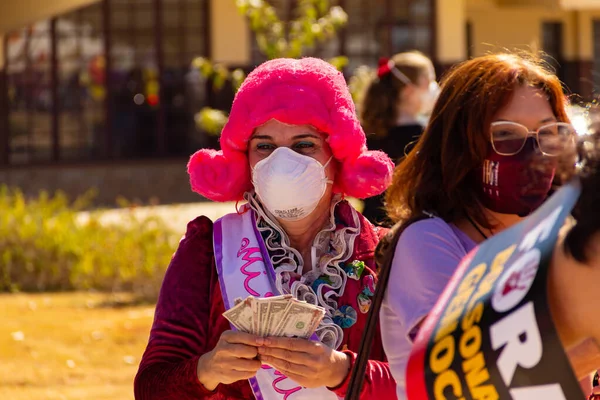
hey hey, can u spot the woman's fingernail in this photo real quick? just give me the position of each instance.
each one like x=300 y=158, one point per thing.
x=260 y=341
x=266 y=341
x=261 y=350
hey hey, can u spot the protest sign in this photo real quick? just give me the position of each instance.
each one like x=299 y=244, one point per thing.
x=491 y=335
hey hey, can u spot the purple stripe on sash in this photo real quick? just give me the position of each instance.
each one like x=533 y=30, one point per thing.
x=256 y=388
x=263 y=251
x=218 y=247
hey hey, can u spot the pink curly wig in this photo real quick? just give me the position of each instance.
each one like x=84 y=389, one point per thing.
x=309 y=91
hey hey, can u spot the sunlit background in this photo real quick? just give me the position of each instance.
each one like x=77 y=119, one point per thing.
x=105 y=100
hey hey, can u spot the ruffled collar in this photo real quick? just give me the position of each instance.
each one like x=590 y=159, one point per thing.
x=325 y=282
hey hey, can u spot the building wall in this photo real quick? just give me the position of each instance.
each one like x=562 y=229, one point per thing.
x=520 y=27
x=16 y=14
x=164 y=181
x=230 y=34
x=152 y=181
x=584 y=35
x=450 y=32
x=493 y=28
x=229 y=30
x=497 y=25
x=579 y=4
x=514 y=28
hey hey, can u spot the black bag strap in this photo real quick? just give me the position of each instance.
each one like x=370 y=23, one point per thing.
x=384 y=256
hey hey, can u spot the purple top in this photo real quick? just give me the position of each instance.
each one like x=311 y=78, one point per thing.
x=427 y=254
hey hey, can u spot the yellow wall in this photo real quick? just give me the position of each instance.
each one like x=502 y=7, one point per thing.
x=230 y=36
x=528 y=3
x=579 y=4
x=473 y=4
x=15 y=14
x=496 y=28
x=518 y=28
x=450 y=32
x=585 y=33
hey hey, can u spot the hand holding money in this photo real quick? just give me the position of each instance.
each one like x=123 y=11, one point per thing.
x=275 y=316
x=234 y=358
x=286 y=324
x=310 y=364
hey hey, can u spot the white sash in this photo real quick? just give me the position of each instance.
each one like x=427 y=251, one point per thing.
x=244 y=269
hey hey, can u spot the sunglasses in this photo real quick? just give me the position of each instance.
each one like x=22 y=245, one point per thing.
x=509 y=138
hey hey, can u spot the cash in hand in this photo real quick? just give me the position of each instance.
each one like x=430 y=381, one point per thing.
x=275 y=316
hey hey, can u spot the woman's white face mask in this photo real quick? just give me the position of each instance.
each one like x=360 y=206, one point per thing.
x=290 y=185
x=427 y=98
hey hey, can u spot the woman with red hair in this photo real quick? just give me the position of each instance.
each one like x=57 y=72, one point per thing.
x=485 y=161
x=292 y=149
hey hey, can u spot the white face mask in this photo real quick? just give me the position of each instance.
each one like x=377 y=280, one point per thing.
x=290 y=185
x=428 y=97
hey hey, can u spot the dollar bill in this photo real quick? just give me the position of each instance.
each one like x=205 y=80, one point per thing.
x=275 y=316
x=262 y=306
x=255 y=316
x=266 y=310
x=300 y=320
x=241 y=316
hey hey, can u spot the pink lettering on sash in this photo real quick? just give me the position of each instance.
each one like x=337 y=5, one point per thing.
x=247 y=253
x=281 y=377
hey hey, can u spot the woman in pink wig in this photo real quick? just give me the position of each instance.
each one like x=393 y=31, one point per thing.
x=292 y=149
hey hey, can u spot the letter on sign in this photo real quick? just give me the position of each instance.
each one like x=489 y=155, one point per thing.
x=541 y=231
x=546 y=392
x=507 y=331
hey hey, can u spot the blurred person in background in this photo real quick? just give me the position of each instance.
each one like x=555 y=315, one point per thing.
x=486 y=160
x=395 y=109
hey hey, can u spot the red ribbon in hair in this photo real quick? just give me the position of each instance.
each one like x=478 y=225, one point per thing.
x=384 y=67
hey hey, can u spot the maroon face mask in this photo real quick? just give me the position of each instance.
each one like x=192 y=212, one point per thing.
x=516 y=184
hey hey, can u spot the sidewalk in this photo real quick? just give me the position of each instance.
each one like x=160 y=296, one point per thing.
x=176 y=216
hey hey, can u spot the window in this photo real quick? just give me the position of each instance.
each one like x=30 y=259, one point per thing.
x=596 y=68
x=552 y=45
x=367 y=33
x=110 y=80
x=80 y=77
x=133 y=84
x=386 y=27
x=30 y=98
x=469 y=39
x=375 y=28
x=183 y=94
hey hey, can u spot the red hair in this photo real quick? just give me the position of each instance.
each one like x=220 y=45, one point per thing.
x=437 y=175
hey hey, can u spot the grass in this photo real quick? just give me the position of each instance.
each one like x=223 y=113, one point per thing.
x=80 y=346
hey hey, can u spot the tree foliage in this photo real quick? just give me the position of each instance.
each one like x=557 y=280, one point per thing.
x=313 y=23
